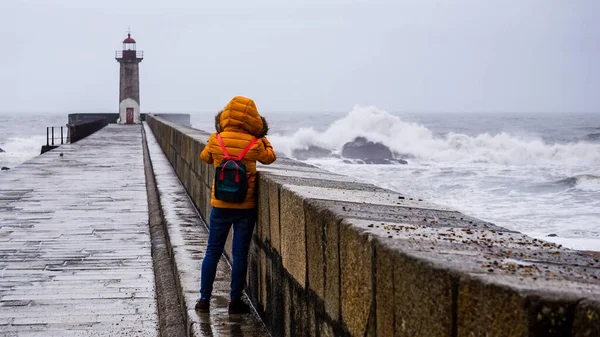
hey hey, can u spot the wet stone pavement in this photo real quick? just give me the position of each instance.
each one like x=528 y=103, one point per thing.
x=74 y=241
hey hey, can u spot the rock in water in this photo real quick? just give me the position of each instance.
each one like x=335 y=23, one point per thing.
x=369 y=152
x=4 y=168
x=2 y=150
x=592 y=137
x=312 y=152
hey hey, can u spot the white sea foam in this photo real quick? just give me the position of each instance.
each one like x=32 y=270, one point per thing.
x=418 y=141
x=18 y=149
x=587 y=182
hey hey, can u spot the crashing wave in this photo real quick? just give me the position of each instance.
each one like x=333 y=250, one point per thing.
x=415 y=140
x=18 y=150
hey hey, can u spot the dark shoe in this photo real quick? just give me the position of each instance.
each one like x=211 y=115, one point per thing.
x=238 y=307
x=202 y=305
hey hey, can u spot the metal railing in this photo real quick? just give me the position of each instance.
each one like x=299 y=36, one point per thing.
x=51 y=137
x=119 y=54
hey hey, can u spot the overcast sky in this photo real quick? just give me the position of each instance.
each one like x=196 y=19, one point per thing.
x=309 y=55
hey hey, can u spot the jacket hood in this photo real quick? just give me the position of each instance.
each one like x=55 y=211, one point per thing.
x=241 y=115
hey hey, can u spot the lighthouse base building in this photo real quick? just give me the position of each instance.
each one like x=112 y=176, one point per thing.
x=129 y=112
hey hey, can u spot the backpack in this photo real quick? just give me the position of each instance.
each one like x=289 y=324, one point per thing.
x=231 y=179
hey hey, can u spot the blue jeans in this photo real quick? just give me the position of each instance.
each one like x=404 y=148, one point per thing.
x=221 y=219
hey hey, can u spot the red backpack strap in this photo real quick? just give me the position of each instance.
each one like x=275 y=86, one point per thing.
x=237 y=172
x=243 y=154
x=225 y=153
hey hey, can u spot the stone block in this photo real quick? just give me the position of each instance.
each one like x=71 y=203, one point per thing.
x=174 y=159
x=263 y=299
x=275 y=310
x=169 y=154
x=192 y=183
x=300 y=311
x=185 y=174
x=312 y=320
x=183 y=141
x=253 y=281
x=332 y=269
x=198 y=196
x=187 y=149
x=315 y=219
x=422 y=297
x=275 y=230
x=587 y=319
x=485 y=309
x=288 y=309
x=496 y=307
x=200 y=200
x=384 y=289
x=264 y=228
x=179 y=137
x=194 y=155
x=293 y=235
x=178 y=165
x=183 y=168
x=171 y=135
x=203 y=171
x=207 y=206
x=185 y=177
x=326 y=330
x=356 y=264
x=550 y=315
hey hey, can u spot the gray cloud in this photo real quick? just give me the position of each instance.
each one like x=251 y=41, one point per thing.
x=460 y=55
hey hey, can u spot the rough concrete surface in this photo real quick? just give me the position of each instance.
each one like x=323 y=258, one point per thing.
x=74 y=242
x=293 y=235
x=356 y=258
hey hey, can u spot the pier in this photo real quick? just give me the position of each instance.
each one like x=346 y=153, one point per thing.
x=105 y=237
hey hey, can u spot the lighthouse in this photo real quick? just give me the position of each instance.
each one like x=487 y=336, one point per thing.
x=129 y=82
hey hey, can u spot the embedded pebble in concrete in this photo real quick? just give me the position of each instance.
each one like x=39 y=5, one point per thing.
x=515 y=256
x=74 y=241
x=308 y=175
x=357 y=196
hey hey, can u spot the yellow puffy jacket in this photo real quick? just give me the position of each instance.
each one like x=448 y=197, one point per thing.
x=238 y=124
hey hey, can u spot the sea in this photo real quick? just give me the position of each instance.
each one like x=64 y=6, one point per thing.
x=537 y=173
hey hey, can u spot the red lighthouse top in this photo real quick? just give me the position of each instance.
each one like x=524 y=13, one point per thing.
x=129 y=52
x=129 y=39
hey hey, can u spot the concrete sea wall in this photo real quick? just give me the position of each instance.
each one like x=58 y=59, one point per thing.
x=332 y=256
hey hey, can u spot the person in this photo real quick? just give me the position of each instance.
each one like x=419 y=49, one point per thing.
x=239 y=127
